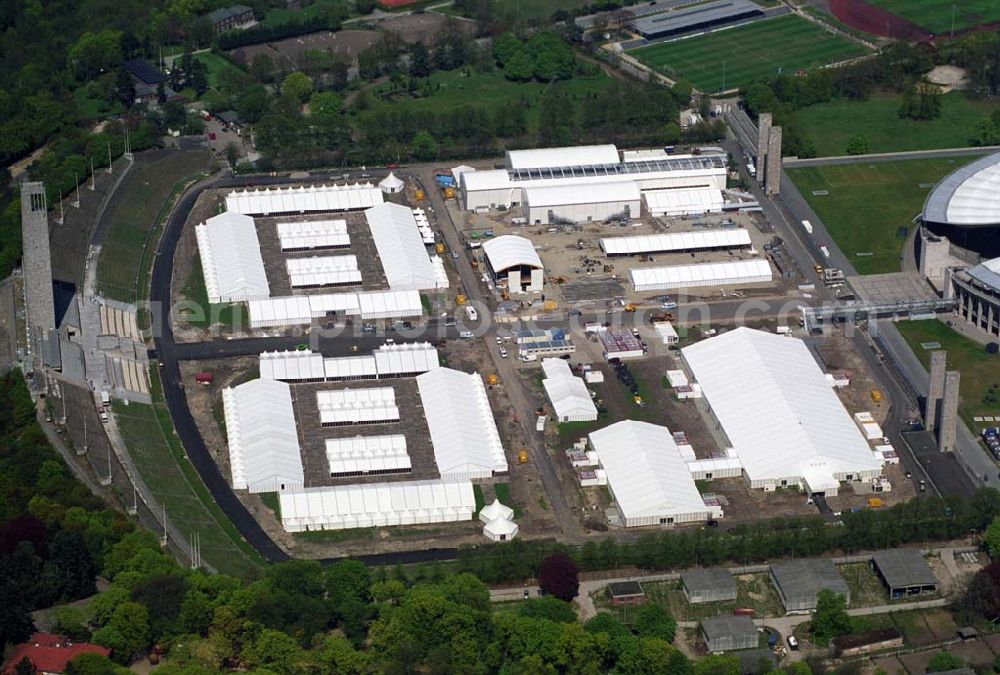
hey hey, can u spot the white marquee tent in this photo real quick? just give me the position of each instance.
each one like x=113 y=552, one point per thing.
x=357 y=406
x=647 y=475
x=539 y=158
x=463 y=432
x=230 y=259
x=377 y=505
x=293 y=310
x=313 y=234
x=496 y=510
x=401 y=248
x=778 y=410
x=732 y=273
x=303 y=199
x=292 y=366
x=391 y=184
x=683 y=201
x=500 y=529
x=264 y=451
x=701 y=240
x=567 y=392
x=320 y=271
x=362 y=455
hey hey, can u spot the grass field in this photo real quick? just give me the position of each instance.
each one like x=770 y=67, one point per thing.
x=148 y=433
x=936 y=15
x=980 y=372
x=868 y=203
x=146 y=194
x=228 y=314
x=831 y=125
x=217 y=67
x=727 y=59
x=452 y=90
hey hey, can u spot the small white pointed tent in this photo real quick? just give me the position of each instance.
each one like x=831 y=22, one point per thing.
x=500 y=529
x=496 y=510
x=391 y=184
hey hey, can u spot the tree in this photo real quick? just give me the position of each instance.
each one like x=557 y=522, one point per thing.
x=921 y=101
x=262 y=68
x=423 y=146
x=94 y=53
x=650 y=656
x=252 y=104
x=298 y=86
x=857 y=145
x=348 y=579
x=130 y=620
x=232 y=152
x=519 y=67
x=652 y=620
x=830 y=619
x=274 y=651
x=717 y=664
x=991 y=538
x=943 y=661
x=550 y=608
x=559 y=577
x=420 y=60
x=94 y=664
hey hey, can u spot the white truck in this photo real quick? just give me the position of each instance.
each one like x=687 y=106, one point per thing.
x=807 y=226
x=105 y=399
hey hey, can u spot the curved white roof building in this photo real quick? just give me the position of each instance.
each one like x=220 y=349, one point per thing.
x=230 y=259
x=780 y=413
x=514 y=263
x=968 y=197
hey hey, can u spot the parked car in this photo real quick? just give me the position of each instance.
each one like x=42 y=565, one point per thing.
x=466 y=335
x=503 y=352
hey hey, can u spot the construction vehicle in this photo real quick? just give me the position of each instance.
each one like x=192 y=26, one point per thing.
x=522 y=456
x=449 y=193
x=419 y=195
x=874 y=502
x=504 y=294
x=439 y=248
x=876 y=396
x=460 y=299
x=630 y=307
x=818 y=268
x=549 y=305
x=638 y=401
x=492 y=379
x=475 y=264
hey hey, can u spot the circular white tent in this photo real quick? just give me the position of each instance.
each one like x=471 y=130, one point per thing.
x=391 y=184
x=496 y=510
x=500 y=529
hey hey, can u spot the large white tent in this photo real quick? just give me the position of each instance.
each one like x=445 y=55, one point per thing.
x=292 y=366
x=366 y=455
x=404 y=359
x=683 y=201
x=230 y=259
x=401 y=249
x=321 y=271
x=678 y=242
x=313 y=234
x=777 y=408
x=647 y=475
x=340 y=407
x=377 y=505
x=582 y=203
x=463 y=432
x=264 y=451
x=303 y=199
x=579 y=155
x=567 y=392
x=293 y=310
x=734 y=273
x=514 y=259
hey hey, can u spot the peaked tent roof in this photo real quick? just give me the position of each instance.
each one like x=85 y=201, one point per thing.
x=776 y=406
x=646 y=471
x=463 y=431
x=231 y=259
x=399 y=245
x=496 y=510
x=263 y=441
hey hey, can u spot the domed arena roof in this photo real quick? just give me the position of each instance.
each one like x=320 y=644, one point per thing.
x=969 y=196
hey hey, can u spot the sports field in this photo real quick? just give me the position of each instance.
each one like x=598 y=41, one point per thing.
x=867 y=203
x=936 y=15
x=731 y=58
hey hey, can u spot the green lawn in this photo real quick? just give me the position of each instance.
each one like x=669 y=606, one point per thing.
x=866 y=589
x=453 y=90
x=281 y=15
x=158 y=455
x=831 y=125
x=90 y=106
x=217 y=66
x=868 y=203
x=936 y=15
x=731 y=58
x=980 y=372
x=272 y=502
x=146 y=196
x=229 y=314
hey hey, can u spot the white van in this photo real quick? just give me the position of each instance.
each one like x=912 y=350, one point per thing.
x=471 y=312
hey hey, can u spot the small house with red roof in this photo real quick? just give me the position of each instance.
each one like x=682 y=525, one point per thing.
x=49 y=653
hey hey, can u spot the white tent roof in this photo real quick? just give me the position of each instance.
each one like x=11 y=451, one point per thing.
x=302 y=309
x=289 y=310
x=350 y=367
x=491 y=179
x=406 y=357
x=703 y=274
x=292 y=366
x=373 y=504
x=586 y=193
x=391 y=182
x=313 y=234
x=367 y=454
x=457 y=172
x=387 y=304
x=646 y=471
x=263 y=441
x=510 y=250
x=568 y=393
x=676 y=241
x=355 y=406
x=539 y=158
x=496 y=510
x=463 y=431
x=401 y=248
x=776 y=406
x=500 y=526
x=330 y=270
x=230 y=258
x=303 y=199
x=683 y=200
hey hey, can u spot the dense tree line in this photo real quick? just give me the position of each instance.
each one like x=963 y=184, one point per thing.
x=267 y=33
